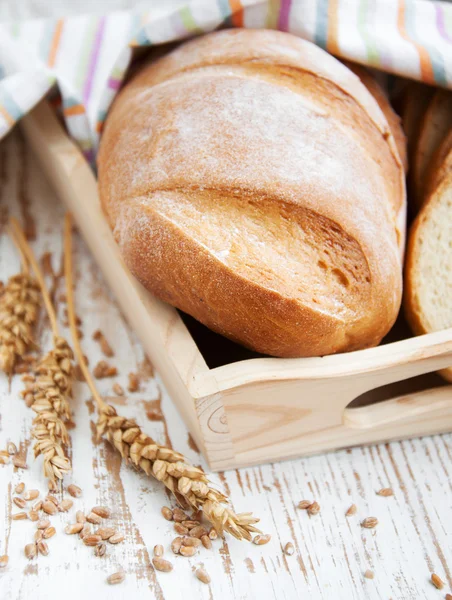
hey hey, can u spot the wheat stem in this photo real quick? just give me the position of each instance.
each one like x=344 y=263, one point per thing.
x=68 y=275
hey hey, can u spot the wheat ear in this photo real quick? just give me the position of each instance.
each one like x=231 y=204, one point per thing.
x=19 y=310
x=48 y=396
x=186 y=482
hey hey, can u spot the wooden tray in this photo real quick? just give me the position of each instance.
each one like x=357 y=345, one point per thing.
x=258 y=409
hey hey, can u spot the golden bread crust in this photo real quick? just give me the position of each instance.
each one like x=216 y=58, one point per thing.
x=239 y=185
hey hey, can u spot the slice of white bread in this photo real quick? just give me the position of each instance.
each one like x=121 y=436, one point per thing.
x=434 y=127
x=428 y=274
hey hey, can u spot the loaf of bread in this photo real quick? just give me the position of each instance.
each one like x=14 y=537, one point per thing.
x=252 y=181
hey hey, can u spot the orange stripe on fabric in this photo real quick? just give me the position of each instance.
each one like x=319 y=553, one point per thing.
x=236 y=13
x=8 y=117
x=332 y=40
x=78 y=109
x=55 y=43
x=426 y=65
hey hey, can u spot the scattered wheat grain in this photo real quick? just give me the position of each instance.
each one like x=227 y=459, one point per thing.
x=19 y=488
x=48 y=533
x=74 y=490
x=313 y=509
x=43 y=548
x=21 y=516
x=202 y=575
x=101 y=511
x=188 y=550
x=30 y=551
x=437 y=581
x=385 y=492
x=49 y=507
x=38 y=535
x=198 y=532
x=191 y=524
x=118 y=390
x=289 y=549
x=105 y=532
x=80 y=516
x=167 y=513
x=191 y=541
x=369 y=522
x=116 y=578
x=161 y=564
x=86 y=530
x=262 y=539
x=100 y=549
x=93 y=518
x=73 y=528
x=116 y=538
x=180 y=529
x=92 y=540
x=31 y=495
x=176 y=545
x=134 y=383
x=65 y=505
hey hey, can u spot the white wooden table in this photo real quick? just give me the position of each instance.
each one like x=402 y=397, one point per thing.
x=332 y=552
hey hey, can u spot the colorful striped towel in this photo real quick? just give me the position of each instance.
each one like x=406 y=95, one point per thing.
x=87 y=57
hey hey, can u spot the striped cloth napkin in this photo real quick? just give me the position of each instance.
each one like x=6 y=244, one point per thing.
x=86 y=58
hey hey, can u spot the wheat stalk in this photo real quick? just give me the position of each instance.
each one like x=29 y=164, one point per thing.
x=189 y=484
x=19 y=309
x=48 y=396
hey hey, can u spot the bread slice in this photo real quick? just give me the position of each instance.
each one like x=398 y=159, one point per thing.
x=434 y=127
x=428 y=275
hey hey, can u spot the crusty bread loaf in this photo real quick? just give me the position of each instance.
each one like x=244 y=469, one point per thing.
x=252 y=181
x=383 y=102
x=434 y=127
x=428 y=275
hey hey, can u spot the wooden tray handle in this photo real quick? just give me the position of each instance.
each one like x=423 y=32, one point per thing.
x=423 y=403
